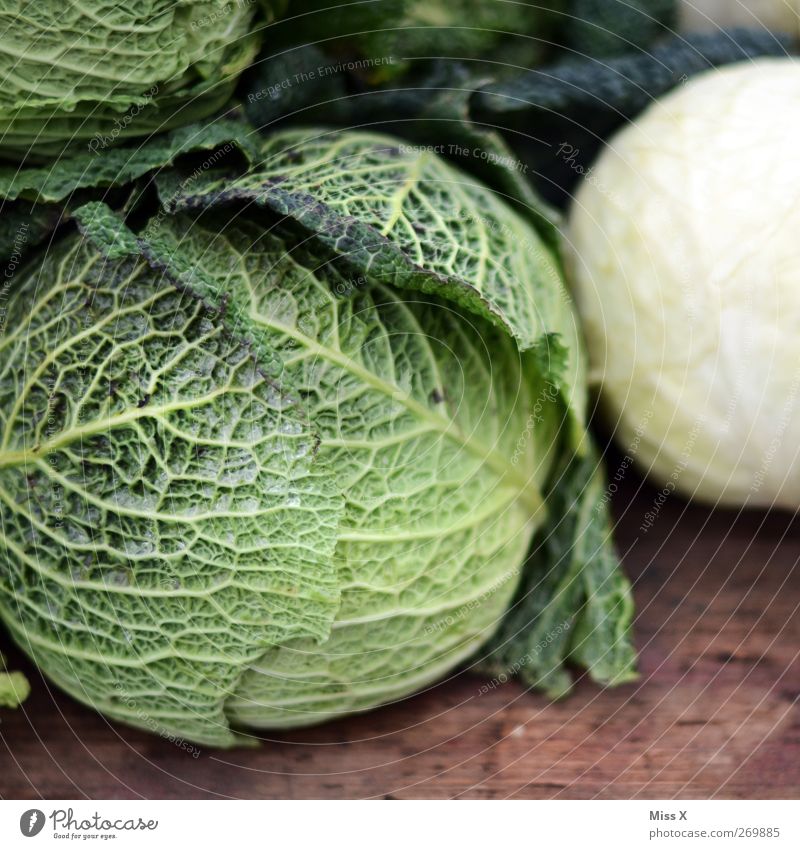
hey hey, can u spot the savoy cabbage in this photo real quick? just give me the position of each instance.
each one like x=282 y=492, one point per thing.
x=278 y=447
x=95 y=72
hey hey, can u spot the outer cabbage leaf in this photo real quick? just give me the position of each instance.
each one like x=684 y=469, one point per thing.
x=56 y=182
x=433 y=109
x=407 y=218
x=574 y=602
x=97 y=69
x=23 y=225
x=165 y=516
x=36 y=200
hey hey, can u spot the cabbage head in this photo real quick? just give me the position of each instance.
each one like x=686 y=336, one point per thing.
x=684 y=265
x=94 y=72
x=277 y=450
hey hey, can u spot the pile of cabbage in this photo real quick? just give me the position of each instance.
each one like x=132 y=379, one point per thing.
x=293 y=416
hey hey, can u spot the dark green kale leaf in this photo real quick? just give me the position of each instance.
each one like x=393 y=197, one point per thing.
x=602 y=28
x=556 y=118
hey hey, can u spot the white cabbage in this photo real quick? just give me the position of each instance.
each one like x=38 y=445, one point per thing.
x=686 y=264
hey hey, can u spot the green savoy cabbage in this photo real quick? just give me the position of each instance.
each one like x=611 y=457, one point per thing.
x=93 y=72
x=298 y=441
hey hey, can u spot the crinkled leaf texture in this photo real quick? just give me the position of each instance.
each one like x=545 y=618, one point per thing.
x=422 y=394
x=102 y=71
x=164 y=516
x=404 y=216
x=35 y=200
x=55 y=182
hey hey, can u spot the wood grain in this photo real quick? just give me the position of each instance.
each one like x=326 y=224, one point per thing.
x=715 y=713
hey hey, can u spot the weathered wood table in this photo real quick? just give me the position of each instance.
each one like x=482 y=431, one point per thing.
x=715 y=713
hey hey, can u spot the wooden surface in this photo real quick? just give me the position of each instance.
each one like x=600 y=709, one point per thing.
x=715 y=713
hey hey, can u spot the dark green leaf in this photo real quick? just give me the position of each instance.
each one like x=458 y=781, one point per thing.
x=557 y=117
x=603 y=28
x=574 y=603
x=118 y=166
